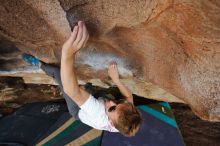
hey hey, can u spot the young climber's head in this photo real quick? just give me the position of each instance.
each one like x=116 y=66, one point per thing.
x=124 y=116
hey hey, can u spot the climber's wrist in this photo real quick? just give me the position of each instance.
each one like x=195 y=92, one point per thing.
x=66 y=54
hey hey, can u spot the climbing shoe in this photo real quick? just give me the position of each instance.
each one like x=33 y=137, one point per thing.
x=31 y=59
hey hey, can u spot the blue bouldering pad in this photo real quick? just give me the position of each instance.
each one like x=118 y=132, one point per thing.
x=159 y=128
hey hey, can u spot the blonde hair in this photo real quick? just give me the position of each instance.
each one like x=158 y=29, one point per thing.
x=129 y=120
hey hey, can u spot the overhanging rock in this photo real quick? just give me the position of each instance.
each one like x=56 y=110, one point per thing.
x=170 y=43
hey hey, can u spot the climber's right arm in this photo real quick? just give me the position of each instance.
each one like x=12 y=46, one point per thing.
x=76 y=41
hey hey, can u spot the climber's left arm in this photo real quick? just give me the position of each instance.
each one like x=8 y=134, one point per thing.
x=113 y=73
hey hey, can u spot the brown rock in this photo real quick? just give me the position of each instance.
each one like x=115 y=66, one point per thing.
x=172 y=44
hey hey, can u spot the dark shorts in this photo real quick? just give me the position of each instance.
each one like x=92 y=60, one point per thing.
x=55 y=73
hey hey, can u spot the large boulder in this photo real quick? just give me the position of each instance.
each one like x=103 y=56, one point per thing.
x=172 y=44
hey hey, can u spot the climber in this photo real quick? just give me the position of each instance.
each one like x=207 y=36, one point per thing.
x=103 y=114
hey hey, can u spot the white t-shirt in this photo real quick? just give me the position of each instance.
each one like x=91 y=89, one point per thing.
x=92 y=113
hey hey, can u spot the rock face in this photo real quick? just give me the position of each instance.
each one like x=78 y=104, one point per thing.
x=174 y=44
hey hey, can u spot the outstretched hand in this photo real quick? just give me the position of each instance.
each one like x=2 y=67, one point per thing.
x=113 y=71
x=77 y=39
